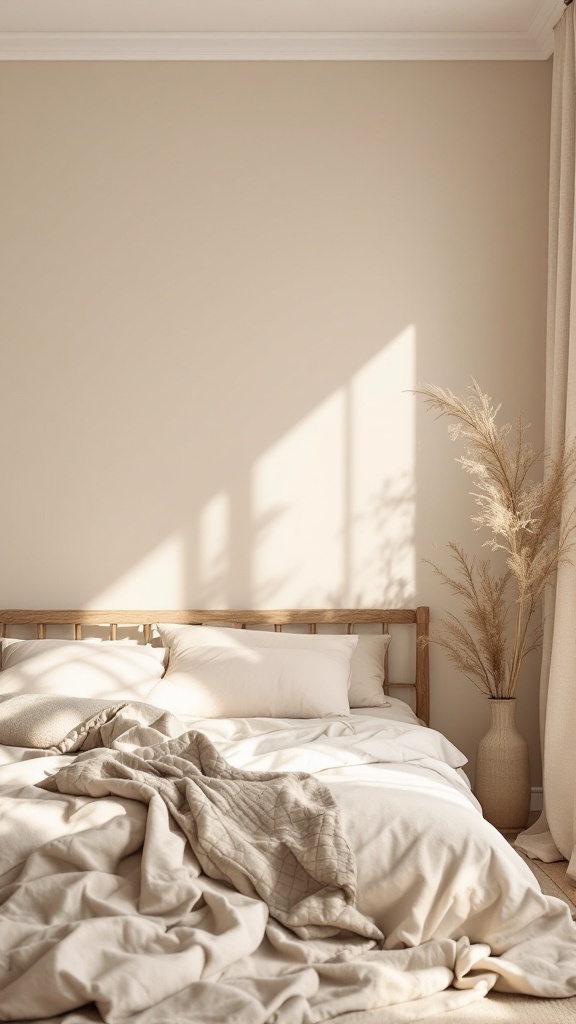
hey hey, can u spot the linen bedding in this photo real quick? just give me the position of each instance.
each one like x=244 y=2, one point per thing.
x=148 y=876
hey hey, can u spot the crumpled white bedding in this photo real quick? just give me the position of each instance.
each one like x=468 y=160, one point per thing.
x=143 y=936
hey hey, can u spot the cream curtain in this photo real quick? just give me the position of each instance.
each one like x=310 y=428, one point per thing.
x=553 y=837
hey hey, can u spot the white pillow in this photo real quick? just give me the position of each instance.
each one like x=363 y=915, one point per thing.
x=107 y=669
x=366 y=651
x=250 y=682
x=179 y=638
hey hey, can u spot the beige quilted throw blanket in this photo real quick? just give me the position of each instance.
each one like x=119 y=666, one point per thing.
x=275 y=836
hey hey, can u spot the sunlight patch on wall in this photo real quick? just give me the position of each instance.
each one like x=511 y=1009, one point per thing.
x=156 y=581
x=333 y=499
x=325 y=518
x=298 y=509
x=214 y=552
x=382 y=567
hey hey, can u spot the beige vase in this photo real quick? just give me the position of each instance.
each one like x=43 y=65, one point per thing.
x=503 y=769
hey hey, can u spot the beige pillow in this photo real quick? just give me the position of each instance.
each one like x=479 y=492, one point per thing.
x=105 y=669
x=367 y=678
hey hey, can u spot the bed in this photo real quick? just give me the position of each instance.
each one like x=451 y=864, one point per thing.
x=244 y=816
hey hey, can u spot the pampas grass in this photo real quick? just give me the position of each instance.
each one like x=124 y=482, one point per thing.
x=526 y=520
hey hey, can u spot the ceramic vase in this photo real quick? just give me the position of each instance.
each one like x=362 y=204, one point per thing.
x=503 y=769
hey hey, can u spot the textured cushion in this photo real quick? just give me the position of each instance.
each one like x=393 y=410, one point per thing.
x=106 y=669
x=43 y=719
x=247 y=682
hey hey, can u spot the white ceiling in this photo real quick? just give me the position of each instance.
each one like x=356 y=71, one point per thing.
x=278 y=29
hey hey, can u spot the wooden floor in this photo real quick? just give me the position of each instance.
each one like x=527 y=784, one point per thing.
x=502 y=1009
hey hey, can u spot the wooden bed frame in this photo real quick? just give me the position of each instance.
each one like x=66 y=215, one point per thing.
x=349 y=618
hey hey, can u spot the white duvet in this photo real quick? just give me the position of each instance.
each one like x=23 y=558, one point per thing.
x=459 y=911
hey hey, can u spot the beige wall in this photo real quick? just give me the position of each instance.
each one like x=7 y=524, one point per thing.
x=219 y=282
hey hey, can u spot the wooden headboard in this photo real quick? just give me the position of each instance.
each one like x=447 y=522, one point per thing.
x=347 y=618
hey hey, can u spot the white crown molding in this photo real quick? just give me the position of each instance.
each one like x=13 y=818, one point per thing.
x=542 y=27
x=535 y=44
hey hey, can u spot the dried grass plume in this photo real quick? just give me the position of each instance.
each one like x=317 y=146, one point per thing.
x=526 y=519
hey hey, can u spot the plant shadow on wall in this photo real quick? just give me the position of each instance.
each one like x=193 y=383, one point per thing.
x=395 y=553
x=531 y=533
x=389 y=518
